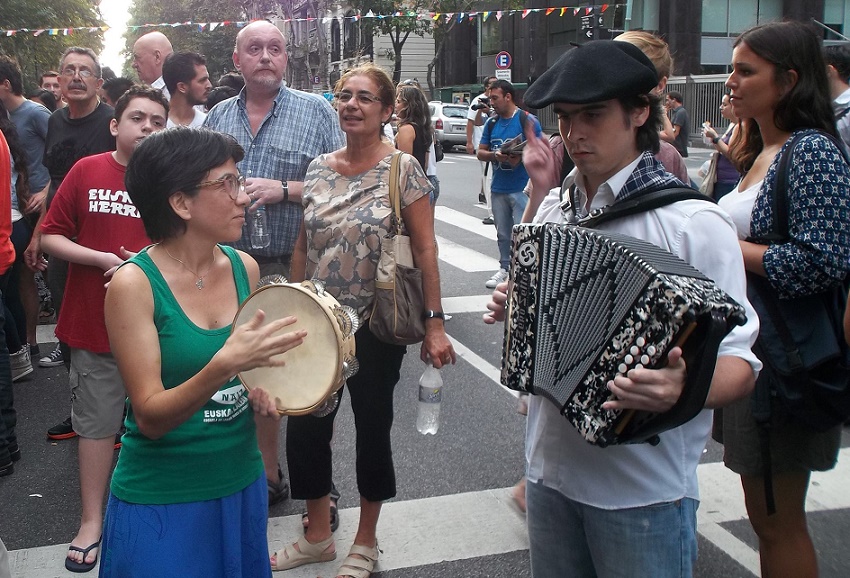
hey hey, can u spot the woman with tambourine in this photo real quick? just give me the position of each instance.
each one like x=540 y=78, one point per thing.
x=189 y=496
x=346 y=215
x=778 y=88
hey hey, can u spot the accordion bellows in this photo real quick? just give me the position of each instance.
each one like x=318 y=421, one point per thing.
x=586 y=306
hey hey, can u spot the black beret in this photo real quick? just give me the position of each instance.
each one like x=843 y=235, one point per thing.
x=594 y=72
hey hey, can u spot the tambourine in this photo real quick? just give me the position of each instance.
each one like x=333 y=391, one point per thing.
x=315 y=370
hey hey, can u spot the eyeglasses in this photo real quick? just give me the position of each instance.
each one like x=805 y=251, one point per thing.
x=362 y=97
x=71 y=72
x=232 y=184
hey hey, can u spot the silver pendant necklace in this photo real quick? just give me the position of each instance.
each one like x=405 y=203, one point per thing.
x=200 y=282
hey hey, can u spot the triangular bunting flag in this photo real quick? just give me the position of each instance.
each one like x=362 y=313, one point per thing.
x=499 y=15
x=525 y=13
x=549 y=11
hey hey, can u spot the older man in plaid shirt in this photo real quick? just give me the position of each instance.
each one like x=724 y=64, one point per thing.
x=281 y=130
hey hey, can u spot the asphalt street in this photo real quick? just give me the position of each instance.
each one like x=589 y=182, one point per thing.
x=453 y=516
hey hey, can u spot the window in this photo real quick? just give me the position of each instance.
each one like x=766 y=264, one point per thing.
x=351 y=37
x=335 y=43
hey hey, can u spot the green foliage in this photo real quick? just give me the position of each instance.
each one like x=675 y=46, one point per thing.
x=216 y=46
x=36 y=54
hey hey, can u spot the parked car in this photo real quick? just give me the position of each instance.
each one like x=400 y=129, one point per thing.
x=449 y=122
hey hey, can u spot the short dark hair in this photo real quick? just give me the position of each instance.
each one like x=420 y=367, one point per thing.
x=180 y=67
x=48 y=73
x=647 y=136
x=219 y=93
x=676 y=95
x=45 y=97
x=108 y=74
x=115 y=87
x=505 y=86
x=838 y=55
x=488 y=82
x=233 y=80
x=11 y=71
x=170 y=161
x=139 y=91
x=85 y=52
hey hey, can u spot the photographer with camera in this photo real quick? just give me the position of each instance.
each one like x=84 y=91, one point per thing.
x=501 y=143
x=479 y=112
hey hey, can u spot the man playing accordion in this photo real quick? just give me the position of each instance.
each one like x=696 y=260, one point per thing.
x=623 y=510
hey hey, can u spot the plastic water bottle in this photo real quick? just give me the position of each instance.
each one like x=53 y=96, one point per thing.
x=260 y=237
x=430 y=395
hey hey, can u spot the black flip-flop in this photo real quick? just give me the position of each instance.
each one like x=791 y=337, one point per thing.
x=335 y=495
x=83 y=566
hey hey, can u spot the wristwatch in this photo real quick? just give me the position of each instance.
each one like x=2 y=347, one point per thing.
x=715 y=140
x=431 y=314
x=285 y=191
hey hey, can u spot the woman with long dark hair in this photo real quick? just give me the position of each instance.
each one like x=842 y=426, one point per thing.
x=414 y=123
x=778 y=88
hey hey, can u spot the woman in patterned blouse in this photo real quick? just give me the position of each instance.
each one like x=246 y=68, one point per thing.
x=779 y=90
x=346 y=214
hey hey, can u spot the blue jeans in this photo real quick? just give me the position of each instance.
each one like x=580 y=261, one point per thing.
x=507 y=212
x=435 y=194
x=572 y=539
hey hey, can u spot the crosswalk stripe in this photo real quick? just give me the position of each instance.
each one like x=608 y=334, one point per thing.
x=465 y=259
x=469 y=525
x=463 y=221
x=466 y=304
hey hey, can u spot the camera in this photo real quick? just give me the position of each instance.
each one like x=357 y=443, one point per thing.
x=483 y=102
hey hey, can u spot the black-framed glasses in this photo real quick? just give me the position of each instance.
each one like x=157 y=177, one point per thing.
x=362 y=97
x=231 y=183
x=71 y=72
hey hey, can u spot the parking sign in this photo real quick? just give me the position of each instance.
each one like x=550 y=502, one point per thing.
x=503 y=60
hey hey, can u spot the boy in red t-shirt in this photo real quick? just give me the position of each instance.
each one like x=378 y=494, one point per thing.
x=92 y=224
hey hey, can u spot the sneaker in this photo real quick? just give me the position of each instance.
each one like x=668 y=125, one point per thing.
x=500 y=277
x=21 y=363
x=62 y=431
x=482 y=200
x=488 y=221
x=52 y=360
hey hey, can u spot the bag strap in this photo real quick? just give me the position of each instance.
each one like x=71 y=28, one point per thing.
x=642 y=203
x=395 y=197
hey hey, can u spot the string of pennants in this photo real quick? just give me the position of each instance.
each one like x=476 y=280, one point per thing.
x=433 y=16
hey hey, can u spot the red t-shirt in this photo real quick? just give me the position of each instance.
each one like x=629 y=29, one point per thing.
x=7 y=250
x=93 y=208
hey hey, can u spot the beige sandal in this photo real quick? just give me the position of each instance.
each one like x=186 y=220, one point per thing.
x=358 y=567
x=307 y=553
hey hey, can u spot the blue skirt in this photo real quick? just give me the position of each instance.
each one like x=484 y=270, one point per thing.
x=223 y=538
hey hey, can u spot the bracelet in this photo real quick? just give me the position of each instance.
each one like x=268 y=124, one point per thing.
x=431 y=314
x=715 y=140
x=285 y=191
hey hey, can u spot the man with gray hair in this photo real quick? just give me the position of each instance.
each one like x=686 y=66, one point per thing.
x=78 y=130
x=282 y=131
x=149 y=54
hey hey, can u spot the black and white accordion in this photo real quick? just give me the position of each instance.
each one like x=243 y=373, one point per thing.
x=585 y=306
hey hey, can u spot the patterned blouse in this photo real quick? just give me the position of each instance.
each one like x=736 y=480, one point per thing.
x=345 y=219
x=818 y=254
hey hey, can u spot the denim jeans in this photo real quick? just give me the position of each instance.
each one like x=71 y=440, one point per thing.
x=507 y=212
x=572 y=539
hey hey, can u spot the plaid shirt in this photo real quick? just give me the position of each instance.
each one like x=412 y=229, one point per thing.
x=299 y=127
